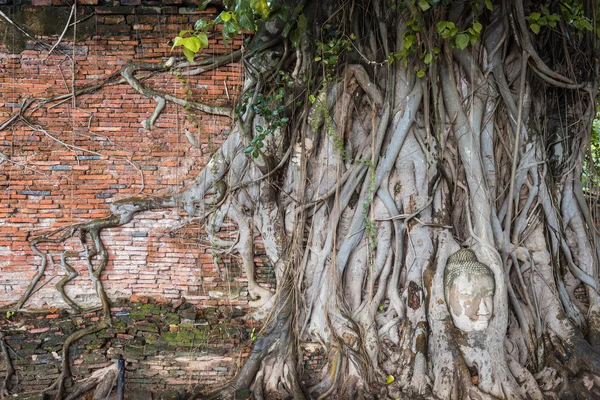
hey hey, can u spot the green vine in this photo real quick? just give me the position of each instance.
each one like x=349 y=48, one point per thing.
x=271 y=107
x=370 y=224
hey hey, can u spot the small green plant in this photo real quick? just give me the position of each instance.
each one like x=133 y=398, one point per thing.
x=448 y=30
x=271 y=107
x=329 y=49
x=538 y=20
x=370 y=224
x=321 y=111
x=253 y=335
x=9 y=314
x=235 y=18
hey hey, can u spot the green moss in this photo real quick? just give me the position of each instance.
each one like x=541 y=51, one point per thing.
x=133 y=352
x=153 y=340
x=93 y=358
x=186 y=336
x=172 y=319
x=147 y=328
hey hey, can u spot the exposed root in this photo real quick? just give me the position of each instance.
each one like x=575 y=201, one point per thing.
x=104 y=379
x=10 y=370
x=65 y=372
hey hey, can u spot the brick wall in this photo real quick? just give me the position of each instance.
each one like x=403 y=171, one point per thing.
x=167 y=348
x=90 y=152
x=76 y=157
x=94 y=151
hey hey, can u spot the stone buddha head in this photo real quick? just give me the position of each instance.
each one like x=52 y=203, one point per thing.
x=469 y=289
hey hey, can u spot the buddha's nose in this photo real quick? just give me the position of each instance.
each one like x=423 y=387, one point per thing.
x=483 y=308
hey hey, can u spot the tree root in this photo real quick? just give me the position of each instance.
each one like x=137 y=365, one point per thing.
x=65 y=372
x=104 y=379
x=10 y=370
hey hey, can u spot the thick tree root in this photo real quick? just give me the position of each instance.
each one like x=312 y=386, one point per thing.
x=104 y=379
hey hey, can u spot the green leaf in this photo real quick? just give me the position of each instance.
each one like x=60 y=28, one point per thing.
x=390 y=379
x=185 y=32
x=248 y=149
x=230 y=27
x=296 y=36
x=176 y=42
x=477 y=27
x=297 y=33
x=188 y=54
x=420 y=73
x=260 y=7
x=247 y=22
x=260 y=145
x=535 y=16
x=441 y=26
x=586 y=24
x=203 y=39
x=200 y=24
x=408 y=41
x=428 y=58
x=312 y=99
x=424 y=5
x=286 y=30
x=255 y=153
x=535 y=28
x=544 y=9
x=225 y=16
x=192 y=43
x=488 y=5
x=302 y=21
x=202 y=4
x=462 y=40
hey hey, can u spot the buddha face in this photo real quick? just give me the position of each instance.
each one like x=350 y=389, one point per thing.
x=469 y=289
x=471 y=301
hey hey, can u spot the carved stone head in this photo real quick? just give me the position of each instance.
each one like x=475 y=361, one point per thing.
x=469 y=289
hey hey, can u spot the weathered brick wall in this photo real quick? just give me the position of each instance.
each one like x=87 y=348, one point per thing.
x=93 y=151
x=167 y=348
x=195 y=329
x=75 y=157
